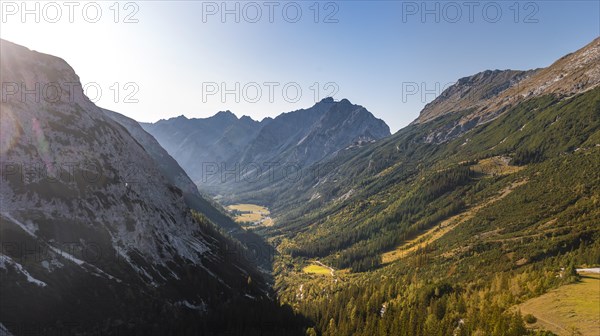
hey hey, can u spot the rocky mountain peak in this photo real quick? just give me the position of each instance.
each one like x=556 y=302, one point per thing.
x=225 y=115
x=469 y=92
x=327 y=100
x=490 y=93
x=572 y=74
x=301 y=137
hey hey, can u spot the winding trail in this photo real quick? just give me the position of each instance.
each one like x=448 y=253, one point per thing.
x=328 y=267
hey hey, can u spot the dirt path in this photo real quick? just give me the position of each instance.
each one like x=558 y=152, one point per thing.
x=330 y=268
x=567 y=308
x=543 y=321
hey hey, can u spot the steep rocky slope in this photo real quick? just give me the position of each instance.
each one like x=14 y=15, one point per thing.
x=257 y=250
x=95 y=236
x=490 y=93
x=172 y=171
x=470 y=92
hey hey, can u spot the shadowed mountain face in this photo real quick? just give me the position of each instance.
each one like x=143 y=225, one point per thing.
x=257 y=251
x=210 y=148
x=195 y=141
x=95 y=224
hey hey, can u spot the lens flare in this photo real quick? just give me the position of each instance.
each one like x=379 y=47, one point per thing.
x=10 y=131
x=42 y=146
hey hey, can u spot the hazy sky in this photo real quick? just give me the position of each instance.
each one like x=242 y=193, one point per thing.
x=178 y=57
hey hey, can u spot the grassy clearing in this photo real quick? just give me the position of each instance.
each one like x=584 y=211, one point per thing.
x=251 y=213
x=250 y=217
x=497 y=165
x=423 y=240
x=569 y=308
x=248 y=208
x=316 y=269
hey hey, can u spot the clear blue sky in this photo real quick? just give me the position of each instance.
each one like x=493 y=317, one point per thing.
x=375 y=53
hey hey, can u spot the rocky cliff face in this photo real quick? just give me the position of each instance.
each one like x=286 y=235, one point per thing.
x=306 y=136
x=87 y=215
x=469 y=92
x=486 y=95
x=166 y=164
x=257 y=250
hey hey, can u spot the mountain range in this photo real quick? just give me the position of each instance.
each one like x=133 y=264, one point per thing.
x=490 y=198
x=225 y=155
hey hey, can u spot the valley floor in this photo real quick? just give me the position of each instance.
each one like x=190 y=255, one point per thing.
x=250 y=215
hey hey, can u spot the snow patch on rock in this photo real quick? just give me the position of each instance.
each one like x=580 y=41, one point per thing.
x=6 y=260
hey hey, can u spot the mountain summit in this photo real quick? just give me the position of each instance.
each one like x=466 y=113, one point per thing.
x=301 y=138
x=486 y=95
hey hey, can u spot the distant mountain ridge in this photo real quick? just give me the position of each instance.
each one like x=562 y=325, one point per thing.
x=212 y=139
x=298 y=138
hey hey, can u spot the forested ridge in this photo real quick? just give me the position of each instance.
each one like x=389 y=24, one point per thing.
x=510 y=233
